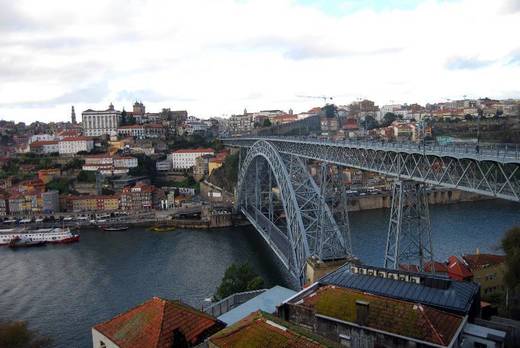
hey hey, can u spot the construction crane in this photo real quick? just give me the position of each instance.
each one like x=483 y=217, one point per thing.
x=316 y=97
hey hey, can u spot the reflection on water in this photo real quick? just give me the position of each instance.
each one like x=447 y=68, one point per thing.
x=63 y=290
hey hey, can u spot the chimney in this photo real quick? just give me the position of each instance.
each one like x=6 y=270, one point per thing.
x=477 y=251
x=362 y=308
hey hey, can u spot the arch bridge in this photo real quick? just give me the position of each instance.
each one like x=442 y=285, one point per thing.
x=302 y=216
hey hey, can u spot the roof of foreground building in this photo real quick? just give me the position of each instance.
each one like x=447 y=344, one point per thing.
x=153 y=324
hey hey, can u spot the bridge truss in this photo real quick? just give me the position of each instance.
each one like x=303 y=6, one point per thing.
x=300 y=216
x=284 y=203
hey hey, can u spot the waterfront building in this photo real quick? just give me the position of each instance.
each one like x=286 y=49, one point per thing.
x=140 y=196
x=261 y=329
x=44 y=147
x=73 y=145
x=51 y=202
x=185 y=158
x=488 y=271
x=91 y=203
x=100 y=122
x=157 y=323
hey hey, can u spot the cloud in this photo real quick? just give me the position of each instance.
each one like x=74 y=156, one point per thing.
x=467 y=63
x=93 y=93
x=257 y=53
x=511 y=6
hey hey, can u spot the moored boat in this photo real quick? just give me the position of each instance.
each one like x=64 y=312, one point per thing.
x=44 y=235
x=114 y=228
x=18 y=242
x=162 y=228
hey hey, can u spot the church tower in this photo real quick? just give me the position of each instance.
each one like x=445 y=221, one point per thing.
x=73 y=115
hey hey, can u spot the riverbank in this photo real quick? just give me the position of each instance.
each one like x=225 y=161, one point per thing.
x=380 y=200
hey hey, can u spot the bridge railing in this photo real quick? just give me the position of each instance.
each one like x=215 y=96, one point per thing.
x=483 y=151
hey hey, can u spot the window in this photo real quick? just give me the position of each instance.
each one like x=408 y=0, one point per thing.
x=102 y=344
x=479 y=345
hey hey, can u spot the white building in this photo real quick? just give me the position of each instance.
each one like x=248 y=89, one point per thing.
x=96 y=123
x=109 y=165
x=44 y=147
x=41 y=137
x=135 y=130
x=74 y=145
x=184 y=159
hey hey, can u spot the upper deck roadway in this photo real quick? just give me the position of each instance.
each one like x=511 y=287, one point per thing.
x=491 y=169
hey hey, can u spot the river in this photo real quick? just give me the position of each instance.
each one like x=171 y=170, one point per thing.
x=63 y=290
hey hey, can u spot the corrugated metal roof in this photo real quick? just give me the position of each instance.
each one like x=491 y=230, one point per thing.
x=457 y=297
x=267 y=302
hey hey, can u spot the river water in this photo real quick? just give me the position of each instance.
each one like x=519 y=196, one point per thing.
x=64 y=290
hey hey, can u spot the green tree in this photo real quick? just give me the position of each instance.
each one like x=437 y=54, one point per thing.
x=511 y=246
x=75 y=163
x=145 y=167
x=238 y=278
x=17 y=335
x=267 y=123
x=330 y=110
x=87 y=176
x=389 y=118
x=369 y=122
x=60 y=184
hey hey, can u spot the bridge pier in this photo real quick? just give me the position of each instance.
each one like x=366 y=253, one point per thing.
x=409 y=230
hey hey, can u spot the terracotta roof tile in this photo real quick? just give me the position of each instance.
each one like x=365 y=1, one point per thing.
x=262 y=330
x=194 y=150
x=457 y=269
x=153 y=323
x=479 y=261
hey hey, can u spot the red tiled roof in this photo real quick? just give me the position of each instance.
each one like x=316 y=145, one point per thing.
x=457 y=269
x=44 y=142
x=194 y=150
x=479 y=261
x=386 y=314
x=438 y=267
x=79 y=138
x=257 y=330
x=153 y=323
x=131 y=126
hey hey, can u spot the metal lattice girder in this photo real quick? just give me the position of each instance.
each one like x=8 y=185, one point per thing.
x=308 y=221
x=409 y=238
x=493 y=171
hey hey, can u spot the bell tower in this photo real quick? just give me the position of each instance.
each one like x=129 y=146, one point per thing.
x=73 y=115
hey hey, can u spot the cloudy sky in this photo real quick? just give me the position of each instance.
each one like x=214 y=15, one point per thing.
x=216 y=57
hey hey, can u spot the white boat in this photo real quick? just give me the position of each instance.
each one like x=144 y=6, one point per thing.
x=48 y=235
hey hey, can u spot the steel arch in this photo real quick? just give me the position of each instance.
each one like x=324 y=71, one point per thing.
x=311 y=229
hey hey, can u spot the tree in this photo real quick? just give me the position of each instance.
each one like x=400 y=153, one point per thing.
x=75 y=163
x=86 y=176
x=60 y=184
x=17 y=335
x=330 y=110
x=389 y=118
x=266 y=123
x=369 y=123
x=238 y=278
x=511 y=246
x=145 y=167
